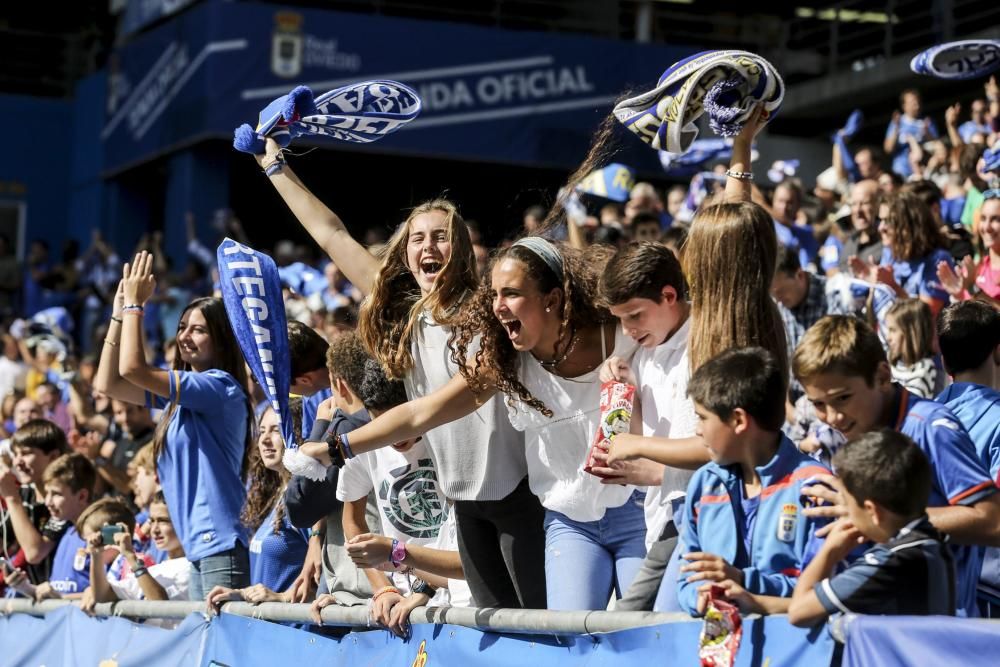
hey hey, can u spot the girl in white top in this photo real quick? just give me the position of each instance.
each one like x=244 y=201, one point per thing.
x=542 y=339
x=413 y=293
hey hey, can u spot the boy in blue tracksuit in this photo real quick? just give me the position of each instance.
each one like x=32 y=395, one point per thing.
x=744 y=525
x=843 y=368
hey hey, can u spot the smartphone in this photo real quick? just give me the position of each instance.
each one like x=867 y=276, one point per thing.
x=6 y=566
x=108 y=534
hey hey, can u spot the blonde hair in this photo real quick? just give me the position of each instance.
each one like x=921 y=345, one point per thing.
x=106 y=511
x=145 y=458
x=729 y=260
x=913 y=318
x=389 y=315
x=838 y=344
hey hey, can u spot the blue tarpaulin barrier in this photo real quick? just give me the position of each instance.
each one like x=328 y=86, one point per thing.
x=68 y=637
x=919 y=640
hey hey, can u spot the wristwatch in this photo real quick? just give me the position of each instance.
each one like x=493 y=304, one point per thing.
x=335 y=450
x=421 y=586
x=398 y=553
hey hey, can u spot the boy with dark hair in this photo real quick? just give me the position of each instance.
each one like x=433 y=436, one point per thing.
x=314 y=505
x=35 y=445
x=886 y=481
x=644 y=287
x=307 y=357
x=744 y=528
x=969 y=338
x=646 y=227
x=69 y=486
x=412 y=508
x=843 y=368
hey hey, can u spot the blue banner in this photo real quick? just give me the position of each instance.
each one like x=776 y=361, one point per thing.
x=488 y=94
x=69 y=637
x=251 y=291
x=920 y=640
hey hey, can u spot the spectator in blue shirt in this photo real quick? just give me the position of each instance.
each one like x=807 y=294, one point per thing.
x=912 y=248
x=976 y=124
x=843 y=368
x=904 y=126
x=785 y=206
x=278 y=548
x=202 y=441
x=886 y=483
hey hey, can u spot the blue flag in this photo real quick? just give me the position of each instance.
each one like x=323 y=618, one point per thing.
x=613 y=182
x=251 y=291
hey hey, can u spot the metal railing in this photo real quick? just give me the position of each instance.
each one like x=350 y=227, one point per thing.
x=512 y=621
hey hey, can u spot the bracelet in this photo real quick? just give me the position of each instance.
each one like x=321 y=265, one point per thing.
x=116 y=319
x=275 y=166
x=348 y=453
x=397 y=554
x=740 y=175
x=315 y=532
x=108 y=341
x=132 y=310
x=139 y=571
x=383 y=591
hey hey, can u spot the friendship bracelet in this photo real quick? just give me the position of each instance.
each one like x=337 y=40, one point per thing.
x=348 y=452
x=740 y=175
x=132 y=312
x=384 y=590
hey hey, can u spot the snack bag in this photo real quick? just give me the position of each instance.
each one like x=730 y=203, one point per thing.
x=616 y=417
x=721 y=631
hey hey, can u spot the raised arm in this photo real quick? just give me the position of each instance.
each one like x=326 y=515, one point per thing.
x=107 y=379
x=137 y=287
x=323 y=225
x=738 y=188
x=409 y=420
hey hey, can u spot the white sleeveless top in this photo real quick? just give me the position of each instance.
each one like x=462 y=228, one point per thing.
x=556 y=447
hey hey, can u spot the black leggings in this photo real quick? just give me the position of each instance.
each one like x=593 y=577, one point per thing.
x=502 y=546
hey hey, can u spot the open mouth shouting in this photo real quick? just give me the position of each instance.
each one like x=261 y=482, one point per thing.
x=430 y=268
x=513 y=328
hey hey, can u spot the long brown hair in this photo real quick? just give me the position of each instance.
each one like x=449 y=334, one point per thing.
x=228 y=358
x=390 y=313
x=729 y=260
x=267 y=486
x=496 y=360
x=913 y=318
x=915 y=231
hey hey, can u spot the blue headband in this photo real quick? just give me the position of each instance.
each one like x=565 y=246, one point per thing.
x=545 y=251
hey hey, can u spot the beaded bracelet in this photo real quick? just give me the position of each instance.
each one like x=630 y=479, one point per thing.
x=383 y=591
x=740 y=175
x=132 y=310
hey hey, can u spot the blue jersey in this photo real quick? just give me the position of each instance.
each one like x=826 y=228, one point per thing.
x=276 y=558
x=309 y=406
x=920 y=129
x=800 y=238
x=978 y=409
x=71 y=565
x=919 y=276
x=200 y=467
x=958 y=478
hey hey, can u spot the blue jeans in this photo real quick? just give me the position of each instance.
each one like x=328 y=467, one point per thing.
x=228 y=568
x=585 y=560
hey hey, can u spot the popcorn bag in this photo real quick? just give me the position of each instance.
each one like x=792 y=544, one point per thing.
x=721 y=631
x=616 y=417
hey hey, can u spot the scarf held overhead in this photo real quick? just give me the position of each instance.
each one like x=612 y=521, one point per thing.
x=251 y=292
x=727 y=85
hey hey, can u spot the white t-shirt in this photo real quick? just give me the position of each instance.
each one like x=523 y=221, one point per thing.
x=174 y=574
x=13 y=375
x=412 y=506
x=478 y=457
x=556 y=447
x=667 y=412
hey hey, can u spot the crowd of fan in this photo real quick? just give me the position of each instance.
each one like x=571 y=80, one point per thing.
x=138 y=460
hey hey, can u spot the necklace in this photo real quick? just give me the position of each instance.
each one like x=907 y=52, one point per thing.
x=569 y=349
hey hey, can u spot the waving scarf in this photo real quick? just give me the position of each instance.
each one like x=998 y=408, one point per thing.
x=360 y=113
x=613 y=182
x=965 y=59
x=727 y=85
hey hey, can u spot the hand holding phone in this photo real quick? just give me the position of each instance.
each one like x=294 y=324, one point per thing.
x=108 y=534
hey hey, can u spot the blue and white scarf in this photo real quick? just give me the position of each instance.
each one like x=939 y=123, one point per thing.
x=613 y=182
x=251 y=292
x=699 y=153
x=360 y=113
x=965 y=59
x=727 y=85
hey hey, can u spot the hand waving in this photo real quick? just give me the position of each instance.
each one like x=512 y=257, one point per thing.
x=138 y=282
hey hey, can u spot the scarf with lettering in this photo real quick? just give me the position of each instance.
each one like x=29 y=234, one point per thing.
x=727 y=85
x=964 y=59
x=360 y=113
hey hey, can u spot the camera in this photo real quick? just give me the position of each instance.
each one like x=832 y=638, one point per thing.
x=108 y=534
